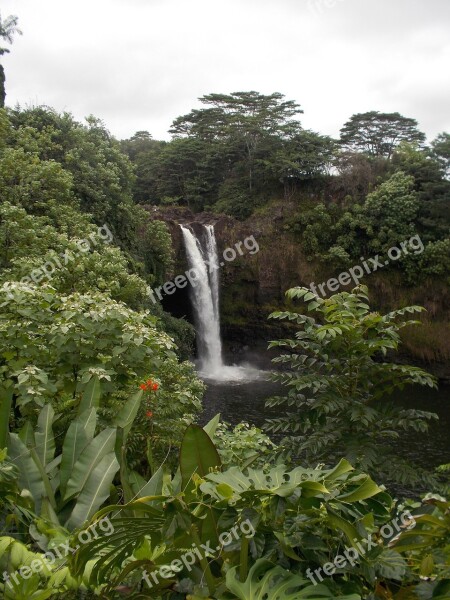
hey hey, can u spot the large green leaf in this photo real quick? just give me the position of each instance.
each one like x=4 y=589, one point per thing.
x=79 y=434
x=95 y=491
x=91 y=395
x=277 y=481
x=89 y=458
x=128 y=413
x=197 y=454
x=366 y=489
x=211 y=426
x=268 y=582
x=45 y=441
x=340 y=469
x=29 y=475
x=26 y=434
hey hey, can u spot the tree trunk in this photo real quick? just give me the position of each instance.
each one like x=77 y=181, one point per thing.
x=2 y=87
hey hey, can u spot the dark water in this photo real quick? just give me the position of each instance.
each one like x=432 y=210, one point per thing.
x=245 y=401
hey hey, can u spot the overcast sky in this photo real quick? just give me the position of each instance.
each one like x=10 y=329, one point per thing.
x=138 y=64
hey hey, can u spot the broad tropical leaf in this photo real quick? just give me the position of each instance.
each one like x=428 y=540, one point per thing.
x=45 y=441
x=268 y=582
x=80 y=433
x=95 y=491
x=91 y=395
x=197 y=454
x=89 y=458
x=29 y=476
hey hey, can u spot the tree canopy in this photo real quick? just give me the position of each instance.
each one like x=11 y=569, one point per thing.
x=378 y=134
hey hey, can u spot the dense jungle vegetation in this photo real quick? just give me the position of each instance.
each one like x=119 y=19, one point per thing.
x=100 y=403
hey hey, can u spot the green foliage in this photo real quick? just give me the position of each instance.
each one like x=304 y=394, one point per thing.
x=31 y=246
x=54 y=167
x=243 y=445
x=198 y=455
x=181 y=331
x=393 y=213
x=427 y=548
x=257 y=532
x=389 y=212
x=8 y=28
x=338 y=384
x=28 y=181
x=287 y=521
x=9 y=489
x=52 y=345
x=432 y=262
x=305 y=156
x=156 y=250
x=431 y=186
x=102 y=175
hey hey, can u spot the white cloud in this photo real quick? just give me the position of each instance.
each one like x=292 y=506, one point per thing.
x=139 y=64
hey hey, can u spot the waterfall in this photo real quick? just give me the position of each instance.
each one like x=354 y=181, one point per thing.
x=205 y=297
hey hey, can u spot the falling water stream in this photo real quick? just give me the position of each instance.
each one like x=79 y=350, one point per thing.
x=202 y=256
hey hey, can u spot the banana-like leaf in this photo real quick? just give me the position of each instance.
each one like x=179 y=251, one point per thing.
x=128 y=413
x=79 y=434
x=29 y=476
x=268 y=582
x=91 y=395
x=45 y=441
x=89 y=458
x=197 y=454
x=95 y=491
x=49 y=492
x=26 y=434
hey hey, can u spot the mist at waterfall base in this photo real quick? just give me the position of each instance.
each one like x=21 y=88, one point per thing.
x=202 y=256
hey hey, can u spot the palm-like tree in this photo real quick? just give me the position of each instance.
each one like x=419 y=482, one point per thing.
x=8 y=28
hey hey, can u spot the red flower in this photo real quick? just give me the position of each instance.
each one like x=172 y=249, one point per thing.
x=149 y=385
x=149 y=414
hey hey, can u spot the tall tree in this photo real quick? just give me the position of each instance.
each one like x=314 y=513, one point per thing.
x=243 y=119
x=378 y=134
x=8 y=28
x=441 y=151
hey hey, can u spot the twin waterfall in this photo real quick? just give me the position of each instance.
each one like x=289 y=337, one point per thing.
x=203 y=261
x=202 y=258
